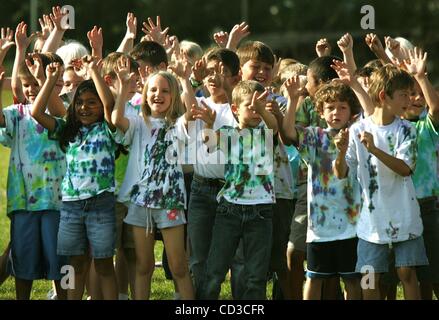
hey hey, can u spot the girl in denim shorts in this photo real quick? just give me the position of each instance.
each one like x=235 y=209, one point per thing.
x=158 y=197
x=87 y=214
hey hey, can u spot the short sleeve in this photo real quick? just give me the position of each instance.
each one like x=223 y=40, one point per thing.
x=11 y=117
x=306 y=142
x=59 y=127
x=406 y=150
x=127 y=138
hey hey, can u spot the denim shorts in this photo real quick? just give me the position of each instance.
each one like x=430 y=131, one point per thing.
x=154 y=218
x=88 y=224
x=409 y=253
x=33 y=245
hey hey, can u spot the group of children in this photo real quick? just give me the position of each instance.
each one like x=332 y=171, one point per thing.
x=267 y=162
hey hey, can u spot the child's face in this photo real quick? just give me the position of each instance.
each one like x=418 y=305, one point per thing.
x=417 y=103
x=30 y=88
x=213 y=81
x=88 y=108
x=71 y=81
x=259 y=71
x=312 y=85
x=246 y=117
x=158 y=96
x=336 y=114
x=399 y=102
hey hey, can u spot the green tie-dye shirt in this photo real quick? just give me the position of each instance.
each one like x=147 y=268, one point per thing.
x=249 y=169
x=426 y=173
x=90 y=161
x=36 y=164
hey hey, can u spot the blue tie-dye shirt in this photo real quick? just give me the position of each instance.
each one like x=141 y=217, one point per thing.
x=36 y=164
x=90 y=161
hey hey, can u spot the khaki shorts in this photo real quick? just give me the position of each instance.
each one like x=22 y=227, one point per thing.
x=299 y=222
x=124 y=232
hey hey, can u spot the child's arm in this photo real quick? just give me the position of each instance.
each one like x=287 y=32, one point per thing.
x=6 y=42
x=238 y=32
x=289 y=132
x=128 y=40
x=323 y=48
x=396 y=165
x=258 y=105
x=344 y=74
x=123 y=74
x=2 y=117
x=346 y=44
x=375 y=45
x=54 y=41
x=38 y=110
x=55 y=104
x=221 y=38
x=416 y=67
x=22 y=41
x=207 y=115
x=341 y=141
x=96 y=41
x=103 y=90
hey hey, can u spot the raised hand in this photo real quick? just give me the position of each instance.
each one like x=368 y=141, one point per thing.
x=204 y=113
x=392 y=45
x=154 y=31
x=293 y=87
x=374 y=43
x=417 y=61
x=341 y=140
x=6 y=40
x=35 y=66
x=122 y=71
x=238 y=32
x=346 y=43
x=91 y=62
x=21 y=39
x=259 y=101
x=221 y=38
x=199 y=70
x=131 y=26
x=181 y=67
x=57 y=17
x=343 y=71
x=366 y=138
x=276 y=66
x=171 y=45
x=95 y=38
x=46 y=27
x=323 y=48
x=53 y=71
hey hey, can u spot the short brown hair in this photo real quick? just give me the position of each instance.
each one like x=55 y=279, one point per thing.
x=255 y=50
x=110 y=63
x=336 y=91
x=243 y=88
x=388 y=78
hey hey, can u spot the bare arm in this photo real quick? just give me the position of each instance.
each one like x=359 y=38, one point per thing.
x=341 y=141
x=38 y=110
x=416 y=67
x=54 y=41
x=289 y=132
x=346 y=45
x=123 y=74
x=128 y=40
x=2 y=117
x=96 y=41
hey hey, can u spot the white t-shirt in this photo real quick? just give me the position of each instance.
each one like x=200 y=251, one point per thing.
x=283 y=176
x=140 y=137
x=390 y=211
x=206 y=164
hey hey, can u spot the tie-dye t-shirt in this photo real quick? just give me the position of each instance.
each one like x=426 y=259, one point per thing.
x=249 y=166
x=426 y=173
x=36 y=164
x=122 y=161
x=333 y=204
x=158 y=175
x=390 y=211
x=90 y=161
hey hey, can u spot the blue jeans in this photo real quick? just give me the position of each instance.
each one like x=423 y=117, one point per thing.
x=201 y=218
x=252 y=224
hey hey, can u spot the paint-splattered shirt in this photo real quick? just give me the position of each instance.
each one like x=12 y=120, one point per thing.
x=156 y=181
x=333 y=204
x=36 y=164
x=249 y=170
x=390 y=211
x=90 y=161
x=426 y=173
